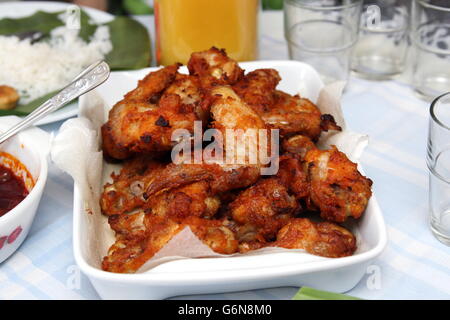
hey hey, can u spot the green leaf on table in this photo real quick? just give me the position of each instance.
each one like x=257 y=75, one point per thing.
x=137 y=7
x=25 y=109
x=45 y=22
x=41 y=21
x=131 y=44
x=306 y=293
x=87 y=29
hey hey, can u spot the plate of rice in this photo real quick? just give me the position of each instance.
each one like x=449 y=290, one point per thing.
x=44 y=45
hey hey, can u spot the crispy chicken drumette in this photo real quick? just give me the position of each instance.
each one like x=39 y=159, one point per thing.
x=323 y=239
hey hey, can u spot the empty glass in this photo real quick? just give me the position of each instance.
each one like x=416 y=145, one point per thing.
x=430 y=37
x=438 y=161
x=323 y=34
x=380 y=52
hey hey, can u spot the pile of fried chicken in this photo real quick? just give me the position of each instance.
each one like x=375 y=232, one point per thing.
x=231 y=208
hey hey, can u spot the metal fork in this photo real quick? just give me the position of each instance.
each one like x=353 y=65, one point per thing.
x=90 y=78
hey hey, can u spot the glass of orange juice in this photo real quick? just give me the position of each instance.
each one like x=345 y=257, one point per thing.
x=186 y=26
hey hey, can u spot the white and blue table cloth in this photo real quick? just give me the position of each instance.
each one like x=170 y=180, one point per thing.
x=413 y=266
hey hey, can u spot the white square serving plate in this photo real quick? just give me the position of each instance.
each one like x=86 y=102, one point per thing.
x=219 y=275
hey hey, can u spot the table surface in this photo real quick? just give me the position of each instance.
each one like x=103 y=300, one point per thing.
x=413 y=266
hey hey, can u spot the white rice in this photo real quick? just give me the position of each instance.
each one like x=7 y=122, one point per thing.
x=37 y=69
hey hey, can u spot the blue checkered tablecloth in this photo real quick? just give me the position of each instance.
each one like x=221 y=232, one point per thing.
x=413 y=266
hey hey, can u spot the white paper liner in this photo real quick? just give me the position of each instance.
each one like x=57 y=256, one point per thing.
x=76 y=150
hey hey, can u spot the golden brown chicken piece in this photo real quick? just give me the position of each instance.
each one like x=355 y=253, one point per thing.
x=291 y=114
x=194 y=199
x=214 y=67
x=298 y=146
x=262 y=209
x=145 y=119
x=128 y=254
x=295 y=115
x=188 y=88
x=292 y=175
x=126 y=192
x=337 y=188
x=228 y=111
x=323 y=239
x=156 y=186
x=128 y=225
x=257 y=89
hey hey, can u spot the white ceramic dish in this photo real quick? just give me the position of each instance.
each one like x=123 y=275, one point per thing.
x=30 y=148
x=23 y=9
x=217 y=275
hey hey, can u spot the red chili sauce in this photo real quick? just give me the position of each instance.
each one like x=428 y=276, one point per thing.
x=12 y=190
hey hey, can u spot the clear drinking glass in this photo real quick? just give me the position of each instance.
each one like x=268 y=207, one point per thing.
x=430 y=36
x=438 y=161
x=323 y=34
x=380 y=52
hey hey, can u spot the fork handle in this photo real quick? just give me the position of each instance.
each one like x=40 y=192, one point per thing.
x=90 y=78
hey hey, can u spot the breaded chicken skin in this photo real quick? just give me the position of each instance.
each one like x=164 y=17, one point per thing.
x=337 y=188
x=323 y=239
x=128 y=254
x=144 y=121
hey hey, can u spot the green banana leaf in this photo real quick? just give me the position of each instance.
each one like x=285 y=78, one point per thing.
x=131 y=44
x=25 y=109
x=130 y=41
x=40 y=21
x=306 y=293
x=137 y=7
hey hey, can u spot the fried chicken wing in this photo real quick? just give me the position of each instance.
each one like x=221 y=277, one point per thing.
x=145 y=119
x=337 y=188
x=292 y=175
x=128 y=225
x=290 y=114
x=232 y=114
x=323 y=239
x=263 y=209
x=298 y=146
x=127 y=255
x=296 y=115
x=229 y=111
x=214 y=67
x=214 y=234
x=126 y=192
x=257 y=89
x=194 y=199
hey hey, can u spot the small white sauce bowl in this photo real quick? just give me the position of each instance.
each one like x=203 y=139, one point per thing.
x=30 y=148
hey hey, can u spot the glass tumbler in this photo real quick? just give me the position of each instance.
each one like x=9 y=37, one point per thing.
x=380 y=52
x=323 y=33
x=438 y=161
x=430 y=36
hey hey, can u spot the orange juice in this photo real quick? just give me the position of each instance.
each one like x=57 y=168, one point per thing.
x=186 y=26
